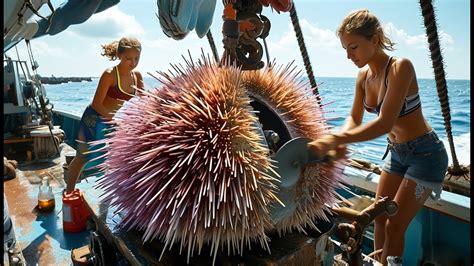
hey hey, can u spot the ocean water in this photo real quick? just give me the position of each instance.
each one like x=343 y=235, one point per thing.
x=337 y=95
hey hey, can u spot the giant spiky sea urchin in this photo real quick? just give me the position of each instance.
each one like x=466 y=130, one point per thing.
x=188 y=163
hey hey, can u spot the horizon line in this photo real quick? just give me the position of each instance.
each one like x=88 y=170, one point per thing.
x=303 y=76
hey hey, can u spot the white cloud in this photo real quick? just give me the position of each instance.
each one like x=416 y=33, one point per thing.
x=446 y=40
x=321 y=43
x=164 y=42
x=111 y=23
x=319 y=37
x=324 y=48
x=157 y=54
x=40 y=49
x=420 y=41
x=400 y=36
x=313 y=36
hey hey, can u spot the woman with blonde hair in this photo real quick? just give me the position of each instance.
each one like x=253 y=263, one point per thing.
x=116 y=85
x=417 y=159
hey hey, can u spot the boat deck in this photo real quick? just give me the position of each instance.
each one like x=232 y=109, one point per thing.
x=40 y=235
x=43 y=241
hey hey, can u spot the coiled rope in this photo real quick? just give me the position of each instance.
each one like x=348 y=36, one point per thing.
x=429 y=20
x=213 y=45
x=304 y=52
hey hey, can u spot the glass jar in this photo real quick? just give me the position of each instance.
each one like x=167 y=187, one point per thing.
x=46 y=201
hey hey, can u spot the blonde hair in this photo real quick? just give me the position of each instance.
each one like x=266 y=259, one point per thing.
x=362 y=22
x=114 y=49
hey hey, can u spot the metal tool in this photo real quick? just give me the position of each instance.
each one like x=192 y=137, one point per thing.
x=351 y=234
x=291 y=160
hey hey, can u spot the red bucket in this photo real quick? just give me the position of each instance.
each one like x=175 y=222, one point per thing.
x=75 y=213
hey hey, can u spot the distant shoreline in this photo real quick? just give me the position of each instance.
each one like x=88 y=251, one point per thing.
x=59 y=80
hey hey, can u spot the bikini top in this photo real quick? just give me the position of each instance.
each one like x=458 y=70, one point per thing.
x=116 y=90
x=412 y=102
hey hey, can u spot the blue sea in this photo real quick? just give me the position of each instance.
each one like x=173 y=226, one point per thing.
x=337 y=94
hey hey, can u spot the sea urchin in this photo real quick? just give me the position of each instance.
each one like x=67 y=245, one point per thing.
x=188 y=162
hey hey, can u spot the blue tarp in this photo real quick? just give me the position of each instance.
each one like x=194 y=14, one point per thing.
x=72 y=12
x=68 y=13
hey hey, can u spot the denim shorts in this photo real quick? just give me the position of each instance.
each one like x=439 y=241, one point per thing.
x=423 y=160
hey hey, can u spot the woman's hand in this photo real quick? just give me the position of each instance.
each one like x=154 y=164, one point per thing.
x=341 y=151
x=323 y=145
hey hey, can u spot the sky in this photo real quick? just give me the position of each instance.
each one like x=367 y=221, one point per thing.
x=76 y=51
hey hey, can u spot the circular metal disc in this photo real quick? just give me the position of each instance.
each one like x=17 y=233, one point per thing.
x=291 y=159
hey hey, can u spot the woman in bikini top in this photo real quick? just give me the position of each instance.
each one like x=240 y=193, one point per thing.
x=412 y=102
x=116 y=90
x=116 y=85
x=388 y=87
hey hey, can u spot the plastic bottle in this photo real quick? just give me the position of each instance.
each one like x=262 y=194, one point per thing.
x=46 y=201
x=394 y=261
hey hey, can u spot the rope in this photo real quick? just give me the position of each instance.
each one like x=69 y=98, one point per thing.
x=29 y=4
x=213 y=45
x=371 y=256
x=437 y=61
x=304 y=52
x=46 y=115
x=22 y=92
x=267 y=55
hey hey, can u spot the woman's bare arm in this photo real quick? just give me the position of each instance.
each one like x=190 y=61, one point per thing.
x=105 y=81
